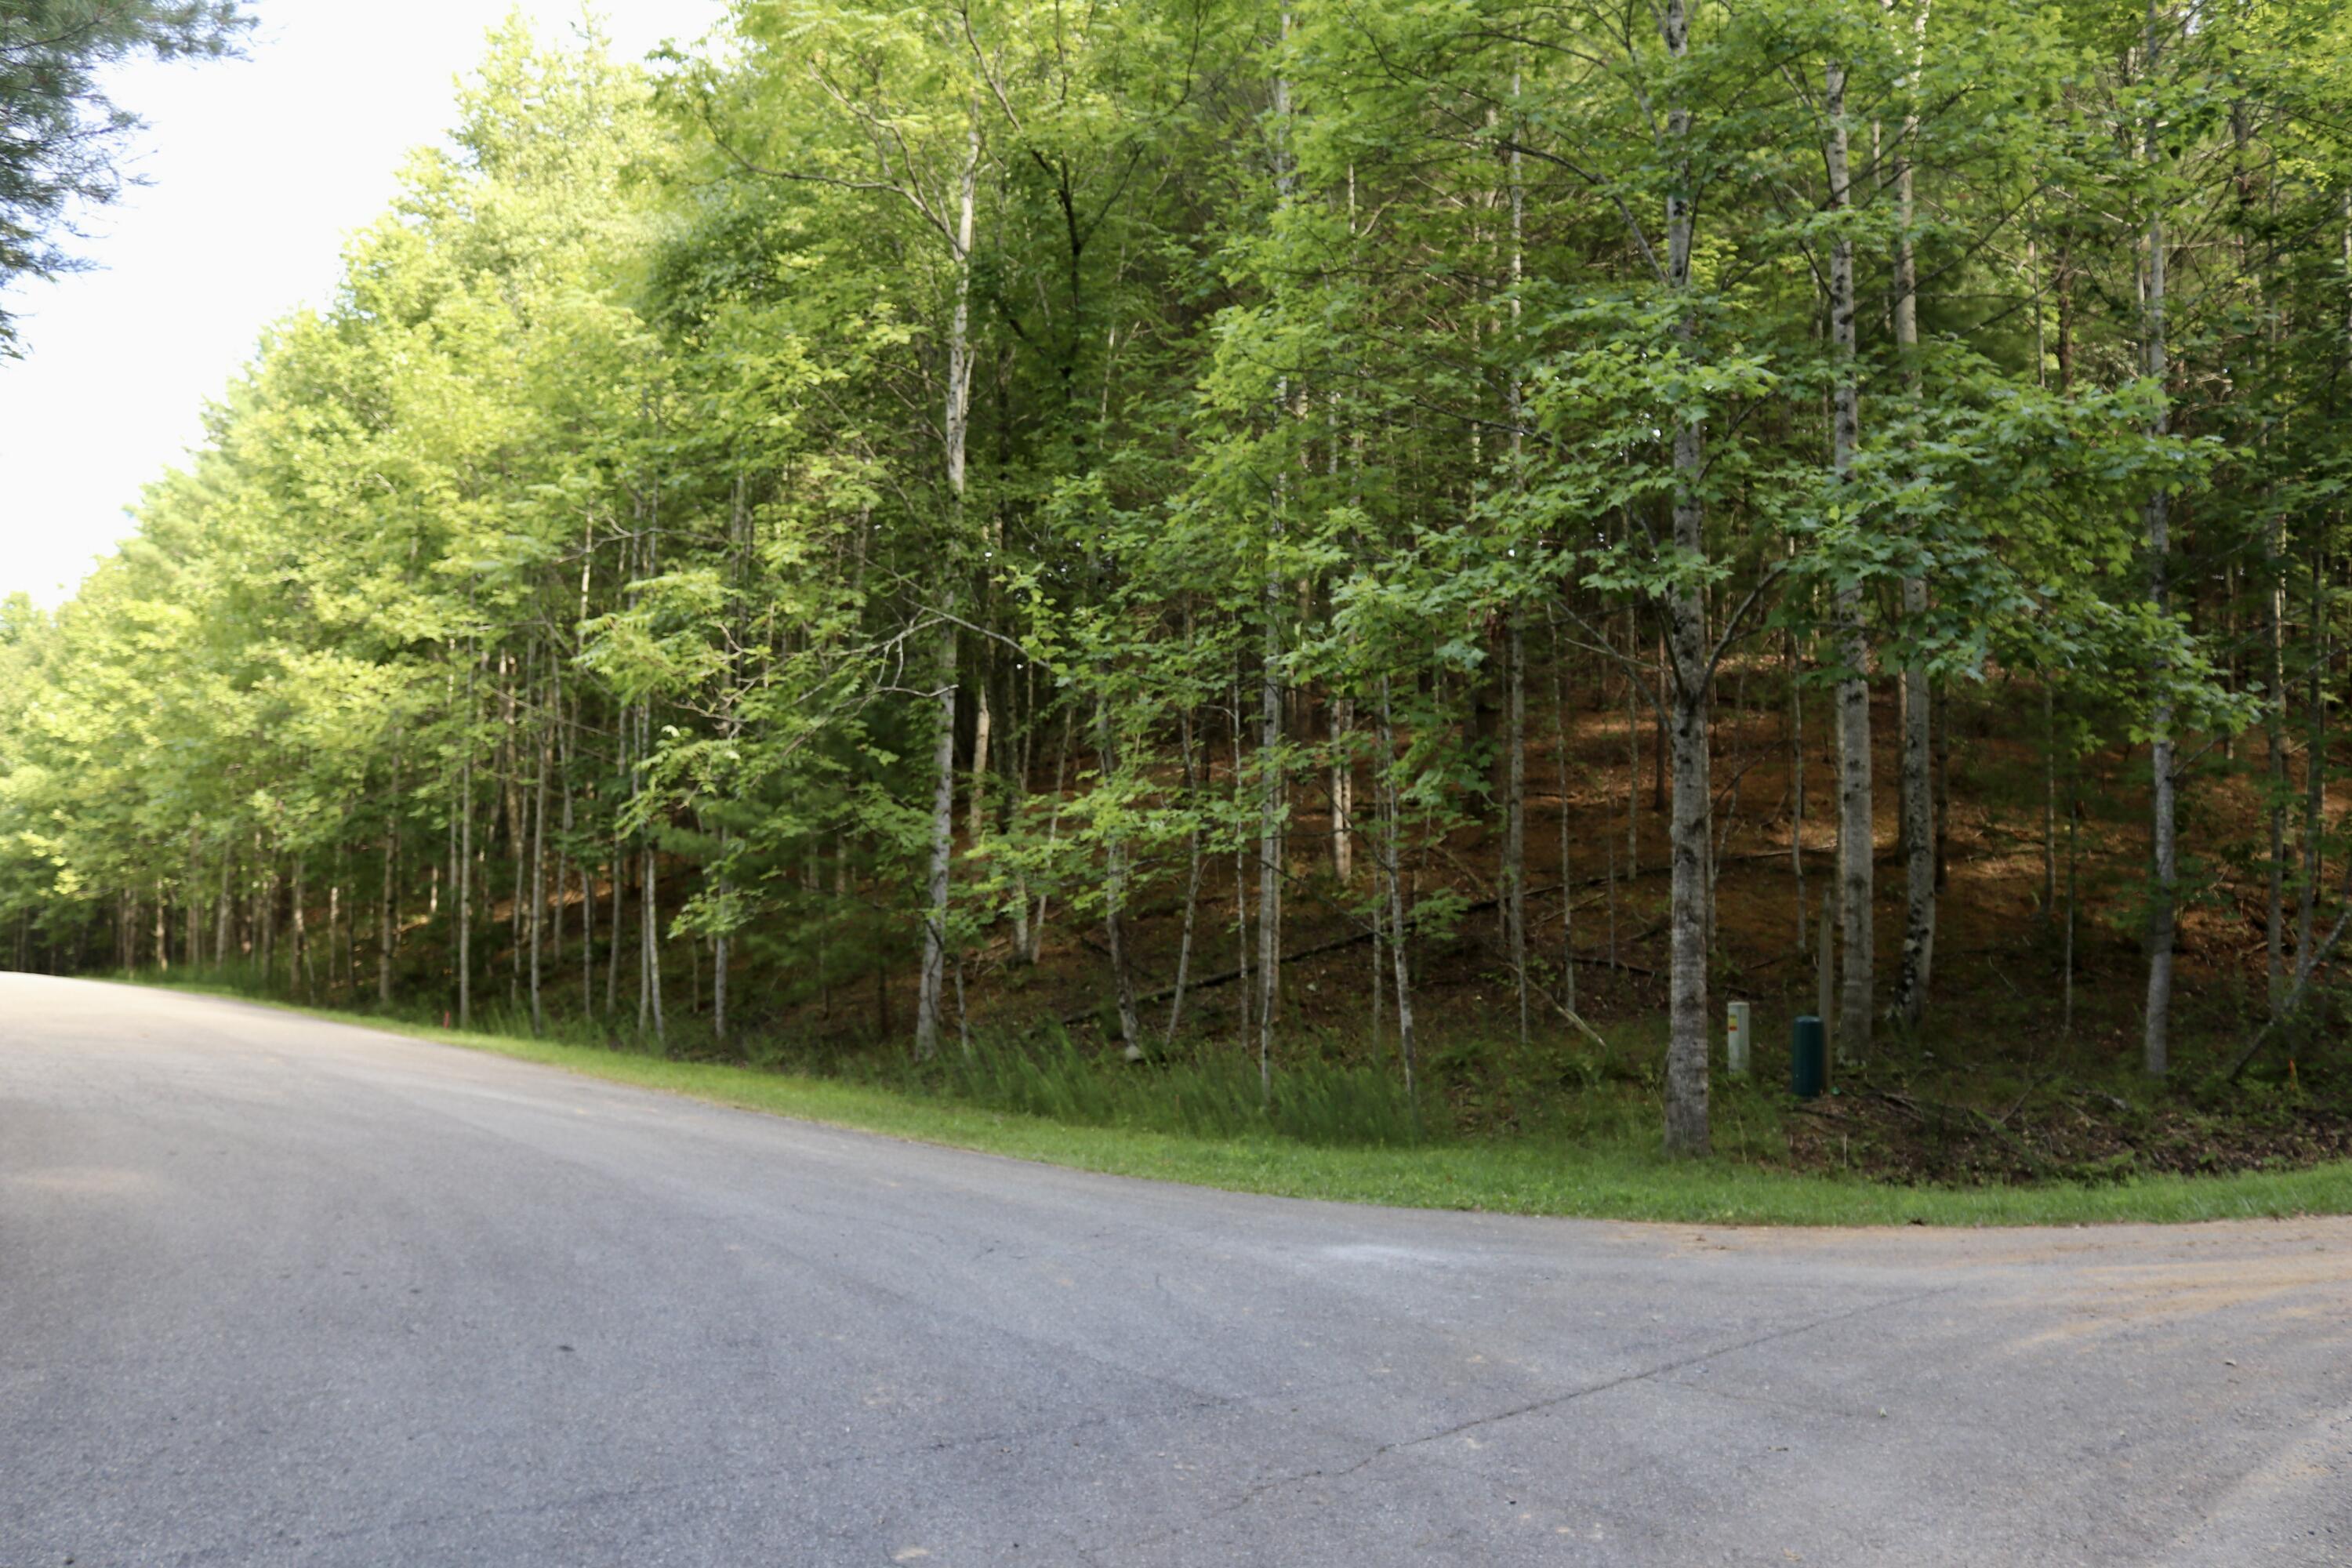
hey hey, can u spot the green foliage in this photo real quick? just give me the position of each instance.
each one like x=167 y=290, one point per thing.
x=668 y=443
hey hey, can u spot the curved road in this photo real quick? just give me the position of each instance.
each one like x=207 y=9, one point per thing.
x=279 y=1291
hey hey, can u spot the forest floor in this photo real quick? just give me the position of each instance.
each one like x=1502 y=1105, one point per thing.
x=2022 y=1080
x=2025 y=1070
x=1614 y=1175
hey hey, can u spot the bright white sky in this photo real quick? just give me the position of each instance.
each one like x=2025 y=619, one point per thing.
x=259 y=169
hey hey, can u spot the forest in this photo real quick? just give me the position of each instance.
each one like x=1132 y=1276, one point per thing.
x=1412 y=549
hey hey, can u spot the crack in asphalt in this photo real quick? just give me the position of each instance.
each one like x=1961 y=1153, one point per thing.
x=1533 y=1408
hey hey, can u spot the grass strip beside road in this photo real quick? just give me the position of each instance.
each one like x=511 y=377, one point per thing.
x=1595 y=1182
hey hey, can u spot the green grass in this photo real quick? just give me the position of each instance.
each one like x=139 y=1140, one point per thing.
x=1614 y=1173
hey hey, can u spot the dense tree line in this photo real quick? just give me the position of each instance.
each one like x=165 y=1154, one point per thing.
x=898 y=484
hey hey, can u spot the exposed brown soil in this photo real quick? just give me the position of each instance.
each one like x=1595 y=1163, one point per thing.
x=2049 y=1088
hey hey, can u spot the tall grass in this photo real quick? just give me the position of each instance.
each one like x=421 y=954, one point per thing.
x=1197 y=1090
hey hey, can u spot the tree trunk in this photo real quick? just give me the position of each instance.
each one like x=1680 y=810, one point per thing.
x=268 y=924
x=1343 y=791
x=613 y=944
x=1567 y=882
x=1632 y=743
x=2275 y=764
x=1391 y=842
x=539 y=880
x=305 y=971
x=1130 y=1023
x=510 y=780
x=2156 y=1044
x=1686 y=1131
x=387 y=926
x=719 y=942
x=464 y=874
x=221 y=917
x=649 y=997
x=1241 y=868
x=1854 y=824
x=1194 y=852
x=1797 y=784
x=1272 y=782
x=2049 y=798
x=1269 y=840
x=984 y=724
x=955 y=429
x=2314 y=775
x=1918 y=784
x=1515 y=814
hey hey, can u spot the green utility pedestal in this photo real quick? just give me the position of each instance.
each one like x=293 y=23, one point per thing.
x=1809 y=1059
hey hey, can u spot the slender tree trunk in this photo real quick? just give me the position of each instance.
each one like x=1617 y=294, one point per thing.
x=650 y=997
x=1343 y=791
x=1018 y=772
x=984 y=724
x=1686 y=1131
x=387 y=930
x=1195 y=853
x=2049 y=798
x=720 y=955
x=1392 y=844
x=1515 y=814
x=2275 y=764
x=613 y=944
x=538 y=879
x=1379 y=922
x=955 y=427
x=1797 y=786
x=1854 y=824
x=1567 y=882
x=2073 y=827
x=1130 y=1022
x=1918 y=803
x=2156 y=1046
x=1269 y=841
x=1515 y=804
x=463 y=876
x=510 y=778
x=1632 y=743
x=1248 y=992
x=2314 y=777
x=221 y=917
x=1272 y=782
x=1941 y=706
x=306 y=971
x=268 y=924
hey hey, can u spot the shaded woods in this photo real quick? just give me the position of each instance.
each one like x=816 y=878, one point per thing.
x=1249 y=525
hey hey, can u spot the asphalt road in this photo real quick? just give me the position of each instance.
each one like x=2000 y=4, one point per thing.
x=279 y=1291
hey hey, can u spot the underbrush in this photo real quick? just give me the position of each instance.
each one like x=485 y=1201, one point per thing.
x=1594 y=1154
x=1928 y=1116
